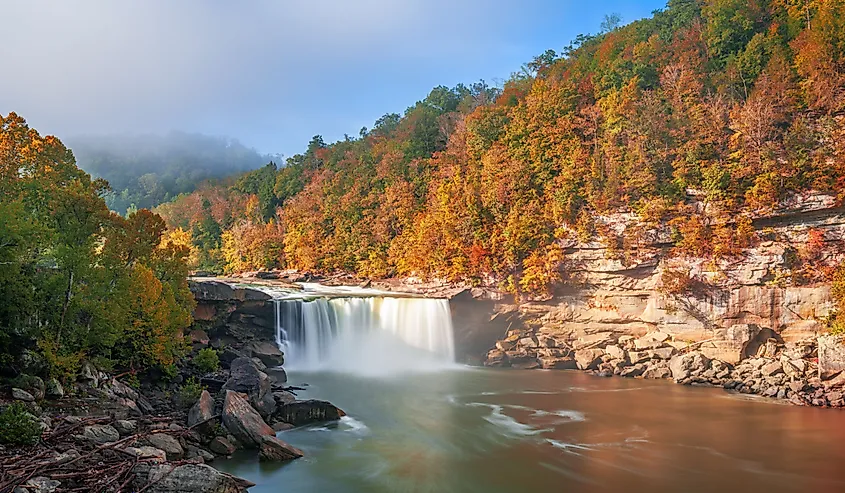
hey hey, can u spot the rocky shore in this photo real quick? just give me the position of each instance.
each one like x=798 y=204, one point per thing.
x=155 y=432
x=747 y=359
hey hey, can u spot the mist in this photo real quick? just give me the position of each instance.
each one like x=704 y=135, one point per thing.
x=270 y=73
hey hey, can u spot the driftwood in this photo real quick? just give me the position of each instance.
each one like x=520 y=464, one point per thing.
x=98 y=468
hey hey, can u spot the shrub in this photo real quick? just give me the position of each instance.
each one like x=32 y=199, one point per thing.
x=18 y=426
x=190 y=392
x=207 y=360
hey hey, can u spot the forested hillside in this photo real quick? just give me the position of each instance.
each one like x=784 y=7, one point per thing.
x=733 y=104
x=146 y=170
x=78 y=282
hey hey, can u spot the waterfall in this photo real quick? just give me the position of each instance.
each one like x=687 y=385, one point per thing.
x=364 y=334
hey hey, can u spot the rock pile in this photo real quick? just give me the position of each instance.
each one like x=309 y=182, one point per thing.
x=746 y=359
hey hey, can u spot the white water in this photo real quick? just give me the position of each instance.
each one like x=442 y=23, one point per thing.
x=362 y=331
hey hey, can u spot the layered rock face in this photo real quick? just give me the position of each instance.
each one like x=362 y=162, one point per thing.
x=743 y=316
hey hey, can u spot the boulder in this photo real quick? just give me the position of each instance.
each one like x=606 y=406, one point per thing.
x=202 y=410
x=633 y=371
x=305 y=412
x=588 y=359
x=503 y=346
x=274 y=450
x=247 y=379
x=682 y=366
x=187 y=478
x=101 y=433
x=831 y=356
x=283 y=397
x=616 y=352
x=242 y=421
x=53 y=389
x=222 y=446
x=267 y=352
x=125 y=427
x=199 y=337
x=22 y=395
x=168 y=443
x=547 y=342
x=496 y=358
x=89 y=375
x=277 y=375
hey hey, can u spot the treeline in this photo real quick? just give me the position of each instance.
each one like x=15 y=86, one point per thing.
x=736 y=103
x=147 y=170
x=78 y=282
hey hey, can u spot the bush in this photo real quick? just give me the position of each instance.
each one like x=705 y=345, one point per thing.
x=207 y=360
x=190 y=392
x=18 y=426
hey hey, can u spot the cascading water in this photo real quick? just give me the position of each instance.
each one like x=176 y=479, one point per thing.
x=361 y=332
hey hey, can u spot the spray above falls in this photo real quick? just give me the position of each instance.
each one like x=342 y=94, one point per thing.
x=362 y=331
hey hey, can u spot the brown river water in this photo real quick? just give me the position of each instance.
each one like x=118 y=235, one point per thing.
x=468 y=430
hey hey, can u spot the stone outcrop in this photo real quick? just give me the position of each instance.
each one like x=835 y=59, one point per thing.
x=245 y=377
x=274 y=450
x=301 y=413
x=242 y=421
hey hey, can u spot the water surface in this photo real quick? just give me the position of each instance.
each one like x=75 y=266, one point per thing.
x=468 y=430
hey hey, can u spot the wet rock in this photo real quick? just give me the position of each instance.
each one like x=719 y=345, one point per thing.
x=277 y=375
x=202 y=410
x=168 y=443
x=685 y=365
x=633 y=371
x=125 y=427
x=53 y=389
x=588 y=359
x=282 y=426
x=553 y=363
x=831 y=356
x=267 y=352
x=305 y=412
x=187 y=478
x=101 y=433
x=274 y=450
x=243 y=421
x=22 y=395
x=222 y=446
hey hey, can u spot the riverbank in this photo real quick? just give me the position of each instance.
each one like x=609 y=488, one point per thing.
x=156 y=431
x=746 y=359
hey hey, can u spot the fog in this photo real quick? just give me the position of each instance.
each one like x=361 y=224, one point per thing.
x=270 y=73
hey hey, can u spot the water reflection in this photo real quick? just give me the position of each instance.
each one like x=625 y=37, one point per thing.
x=503 y=431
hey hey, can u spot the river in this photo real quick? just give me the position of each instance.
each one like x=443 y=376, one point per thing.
x=468 y=430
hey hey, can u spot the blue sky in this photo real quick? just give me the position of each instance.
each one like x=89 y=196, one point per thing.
x=269 y=73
